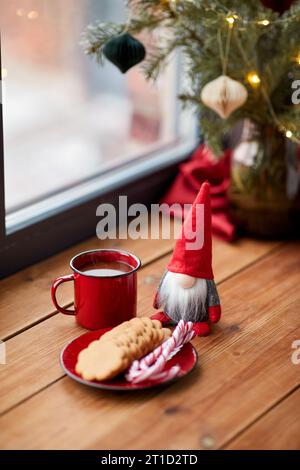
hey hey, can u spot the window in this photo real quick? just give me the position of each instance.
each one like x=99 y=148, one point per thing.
x=73 y=130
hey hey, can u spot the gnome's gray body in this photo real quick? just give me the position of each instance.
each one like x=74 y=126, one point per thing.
x=194 y=315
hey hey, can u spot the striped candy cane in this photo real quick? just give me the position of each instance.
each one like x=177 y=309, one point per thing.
x=151 y=366
x=168 y=346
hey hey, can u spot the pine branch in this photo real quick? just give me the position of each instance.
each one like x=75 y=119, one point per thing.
x=96 y=36
x=157 y=60
x=193 y=27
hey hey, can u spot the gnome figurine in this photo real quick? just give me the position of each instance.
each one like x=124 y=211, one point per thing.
x=187 y=289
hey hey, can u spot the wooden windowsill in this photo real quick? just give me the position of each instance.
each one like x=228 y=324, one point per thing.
x=243 y=394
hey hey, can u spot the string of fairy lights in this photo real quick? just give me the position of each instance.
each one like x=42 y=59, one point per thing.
x=253 y=77
x=236 y=21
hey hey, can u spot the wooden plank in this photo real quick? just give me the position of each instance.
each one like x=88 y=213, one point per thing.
x=277 y=430
x=49 y=336
x=25 y=296
x=245 y=368
x=34 y=354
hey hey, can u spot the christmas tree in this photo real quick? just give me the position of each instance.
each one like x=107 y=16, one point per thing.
x=255 y=48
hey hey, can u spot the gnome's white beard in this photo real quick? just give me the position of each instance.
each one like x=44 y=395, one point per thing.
x=179 y=303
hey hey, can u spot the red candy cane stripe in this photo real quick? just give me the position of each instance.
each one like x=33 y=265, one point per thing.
x=168 y=345
x=167 y=375
x=151 y=366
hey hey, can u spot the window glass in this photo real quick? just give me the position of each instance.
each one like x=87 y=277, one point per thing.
x=66 y=119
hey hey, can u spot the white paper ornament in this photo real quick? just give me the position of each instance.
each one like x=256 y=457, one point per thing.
x=224 y=95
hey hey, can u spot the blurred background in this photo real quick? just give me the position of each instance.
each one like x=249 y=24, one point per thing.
x=65 y=119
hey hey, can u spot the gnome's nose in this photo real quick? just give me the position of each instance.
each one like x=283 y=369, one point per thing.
x=184 y=280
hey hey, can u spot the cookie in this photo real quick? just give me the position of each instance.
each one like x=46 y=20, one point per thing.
x=91 y=366
x=136 y=324
x=115 y=351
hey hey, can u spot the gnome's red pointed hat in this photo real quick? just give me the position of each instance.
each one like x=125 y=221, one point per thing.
x=193 y=251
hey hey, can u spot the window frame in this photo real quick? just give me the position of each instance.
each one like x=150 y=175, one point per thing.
x=56 y=228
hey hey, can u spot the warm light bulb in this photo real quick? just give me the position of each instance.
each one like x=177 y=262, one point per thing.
x=298 y=58
x=33 y=15
x=4 y=73
x=230 y=20
x=289 y=134
x=264 y=22
x=253 y=78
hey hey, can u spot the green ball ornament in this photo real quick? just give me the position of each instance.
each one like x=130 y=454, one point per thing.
x=124 y=51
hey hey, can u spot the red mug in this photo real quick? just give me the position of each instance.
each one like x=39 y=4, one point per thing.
x=101 y=301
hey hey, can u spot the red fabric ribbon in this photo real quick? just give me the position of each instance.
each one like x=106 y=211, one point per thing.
x=203 y=167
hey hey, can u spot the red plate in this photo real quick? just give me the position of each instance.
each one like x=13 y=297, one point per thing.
x=186 y=359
